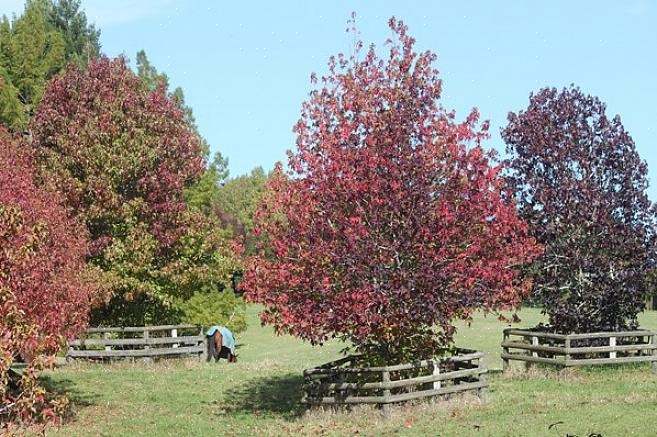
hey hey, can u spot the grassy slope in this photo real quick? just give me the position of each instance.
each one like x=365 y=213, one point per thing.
x=259 y=396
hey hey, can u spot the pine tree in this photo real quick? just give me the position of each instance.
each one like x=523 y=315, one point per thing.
x=12 y=112
x=34 y=47
x=32 y=52
x=82 y=40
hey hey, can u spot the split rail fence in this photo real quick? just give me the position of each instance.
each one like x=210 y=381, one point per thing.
x=340 y=382
x=148 y=342
x=572 y=350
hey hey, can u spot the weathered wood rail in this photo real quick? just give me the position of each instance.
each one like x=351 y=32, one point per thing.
x=146 y=342
x=341 y=382
x=571 y=350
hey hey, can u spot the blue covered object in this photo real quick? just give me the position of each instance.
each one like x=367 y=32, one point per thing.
x=228 y=338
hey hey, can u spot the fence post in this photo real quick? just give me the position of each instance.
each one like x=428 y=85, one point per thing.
x=436 y=371
x=147 y=360
x=653 y=352
x=174 y=334
x=566 y=369
x=307 y=398
x=612 y=343
x=386 y=394
x=69 y=358
x=534 y=342
x=483 y=391
x=505 y=350
x=201 y=348
x=106 y=336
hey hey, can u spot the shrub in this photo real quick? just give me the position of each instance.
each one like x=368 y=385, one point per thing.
x=215 y=308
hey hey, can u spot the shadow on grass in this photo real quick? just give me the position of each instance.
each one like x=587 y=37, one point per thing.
x=273 y=395
x=67 y=387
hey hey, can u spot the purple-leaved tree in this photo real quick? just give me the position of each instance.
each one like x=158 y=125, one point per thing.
x=581 y=186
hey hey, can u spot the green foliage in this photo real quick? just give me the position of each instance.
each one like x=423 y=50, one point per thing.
x=34 y=47
x=82 y=41
x=223 y=308
x=202 y=195
x=32 y=52
x=12 y=112
x=204 y=259
x=240 y=196
x=149 y=74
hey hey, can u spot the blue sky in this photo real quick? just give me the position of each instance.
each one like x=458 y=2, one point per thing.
x=245 y=66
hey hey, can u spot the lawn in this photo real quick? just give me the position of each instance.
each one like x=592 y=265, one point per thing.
x=259 y=396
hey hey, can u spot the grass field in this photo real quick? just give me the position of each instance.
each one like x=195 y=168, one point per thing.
x=260 y=394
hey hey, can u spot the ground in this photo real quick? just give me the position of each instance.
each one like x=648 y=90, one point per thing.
x=260 y=396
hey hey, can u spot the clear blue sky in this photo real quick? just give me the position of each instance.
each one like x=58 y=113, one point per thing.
x=245 y=66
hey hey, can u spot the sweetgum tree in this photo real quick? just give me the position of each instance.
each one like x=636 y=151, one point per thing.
x=43 y=296
x=124 y=153
x=390 y=222
x=581 y=186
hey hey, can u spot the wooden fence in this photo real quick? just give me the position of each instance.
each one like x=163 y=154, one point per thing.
x=571 y=350
x=146 y=342
x=339 y=382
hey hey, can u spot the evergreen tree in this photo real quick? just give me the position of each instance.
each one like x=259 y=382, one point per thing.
x=34 y=47
x=11 y=108
x=32 y=51
x=82 y=40
x=149 y=74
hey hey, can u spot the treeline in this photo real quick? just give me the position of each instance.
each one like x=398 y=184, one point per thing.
x=112 y=211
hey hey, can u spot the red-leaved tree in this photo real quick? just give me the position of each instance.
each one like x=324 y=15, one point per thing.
x=43 y=297
x=391 y=221
x=581 y=187
x=123 y=154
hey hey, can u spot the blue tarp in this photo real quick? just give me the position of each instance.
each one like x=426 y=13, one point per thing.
x=228 y=338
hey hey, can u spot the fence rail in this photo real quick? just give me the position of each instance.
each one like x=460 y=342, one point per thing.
x=571 y=350
x=341 y=382
x=146 y=342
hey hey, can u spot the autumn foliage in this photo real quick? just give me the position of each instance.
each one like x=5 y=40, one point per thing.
x=390 y=222
x=581 y=186
x=123 y=154
x=43 y=297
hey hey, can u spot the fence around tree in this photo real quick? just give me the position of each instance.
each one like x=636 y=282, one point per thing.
x=146 y=342
x=572 y=350
x=340 y=382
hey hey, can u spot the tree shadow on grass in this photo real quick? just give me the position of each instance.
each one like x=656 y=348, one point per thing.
x=67 y=387
x=273 y=395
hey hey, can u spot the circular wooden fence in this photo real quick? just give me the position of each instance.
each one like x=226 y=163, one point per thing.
x=146 y=342
x=341 y=382
x=571 y=350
